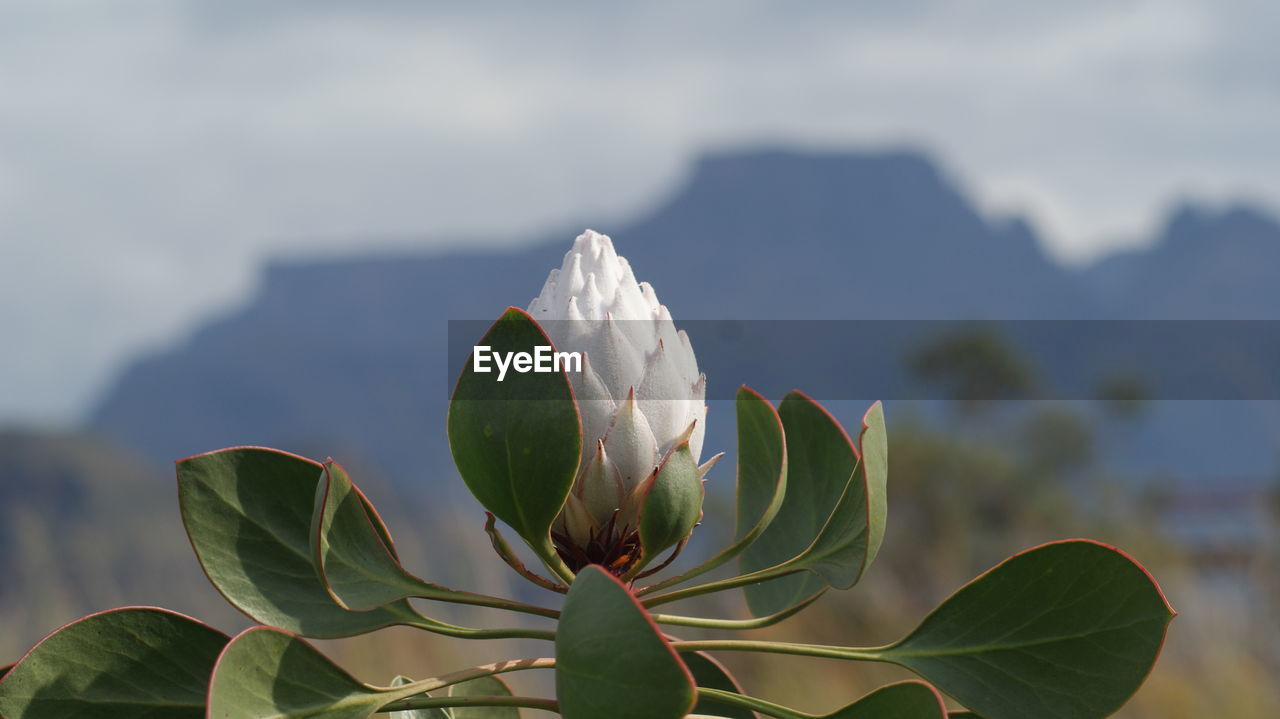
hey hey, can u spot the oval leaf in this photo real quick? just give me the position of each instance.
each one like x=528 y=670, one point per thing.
x=672 y=505
x=265 y=672
x=136 y=662
x=611 y=660
x=823 y=492
x=711 y=674
x=904 y=700
x=1067 y=630
x=248 y=512
x=516 y=442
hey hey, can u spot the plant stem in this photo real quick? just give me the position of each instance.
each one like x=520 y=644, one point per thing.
x=547 y=553
x=721 y=585
x=484 y=600
x=548 y=705
x=449 y=630
x=410 y=617
x=484 y=670
x=714 y=562
x=746 y=702
x=736 y=624
x=862 y=654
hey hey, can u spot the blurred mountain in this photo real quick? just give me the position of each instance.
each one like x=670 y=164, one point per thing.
x=1205 y=264
x=350 y=352
x=787 y=235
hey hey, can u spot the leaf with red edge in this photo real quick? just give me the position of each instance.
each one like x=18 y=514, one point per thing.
x=357 y=565
x=248 y=512
x=832 y=519
x=1067 y=630
x=611 y=659
x=265 y=672
x=516 y=442
x=711 y=674
x=903 y=700
x=135 y=662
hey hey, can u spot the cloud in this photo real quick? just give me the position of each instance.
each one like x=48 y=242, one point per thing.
x=153 y=151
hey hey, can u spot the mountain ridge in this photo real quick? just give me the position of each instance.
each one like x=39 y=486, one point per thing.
x=350 y=351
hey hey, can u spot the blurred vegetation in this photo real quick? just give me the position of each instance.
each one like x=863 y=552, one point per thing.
x=86 y=527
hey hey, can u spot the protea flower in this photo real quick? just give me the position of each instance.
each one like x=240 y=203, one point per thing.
x=639 y=393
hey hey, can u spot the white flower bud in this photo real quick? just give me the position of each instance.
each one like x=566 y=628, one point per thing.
x=640 y=393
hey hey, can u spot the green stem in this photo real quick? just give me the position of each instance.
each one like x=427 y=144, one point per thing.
x=780 y=570
x=450 y=630
x=759 y=705
x=547 y=553
x=404 y=693
x=410 y=617
x=736 y=624
x=861 y=654
x=714 y=562
x=548 y=705
x=484 y=600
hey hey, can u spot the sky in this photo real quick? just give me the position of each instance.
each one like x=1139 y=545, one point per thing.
x=153 y=153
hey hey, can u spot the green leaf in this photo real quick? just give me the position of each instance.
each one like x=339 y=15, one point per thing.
x=822 y=525
x=904 y=700
x=5 y=670
x=710 y=674
x=852 y=535
x=359 y=566
x=762 y=464
x=516 y=442
x=124 y=663
x=1068 y=630
x=611 y=660
x=265 y=672
x=360 y=570
x=248 y=512
x=482 y=687
x=672 y=505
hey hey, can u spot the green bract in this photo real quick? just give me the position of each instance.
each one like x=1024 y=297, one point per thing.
x=1067 y=630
